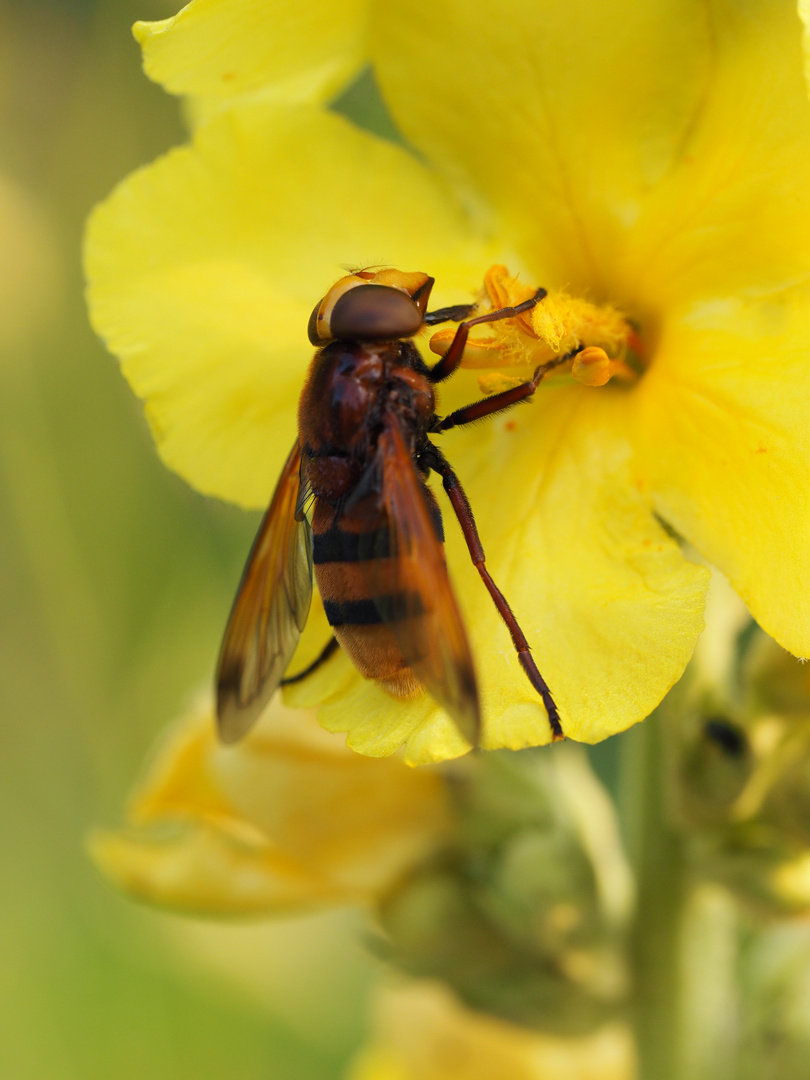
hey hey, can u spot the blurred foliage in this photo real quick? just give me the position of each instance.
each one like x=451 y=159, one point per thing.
x=115 y=580
x=524 y=914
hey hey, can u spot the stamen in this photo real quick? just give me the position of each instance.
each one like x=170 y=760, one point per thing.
x=592 y=342
x=593 y=367
x=495 y=382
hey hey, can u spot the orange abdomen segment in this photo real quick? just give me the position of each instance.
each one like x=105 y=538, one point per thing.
x=374 y=652
x=344 y=573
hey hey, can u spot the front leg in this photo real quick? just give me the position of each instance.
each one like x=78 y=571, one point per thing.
x=452 y=358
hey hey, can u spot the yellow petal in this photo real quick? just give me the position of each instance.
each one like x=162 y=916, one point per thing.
x=722 y=420
x=280 y=821
x=576 y=109
x=377 y=724
x=804 y=15
x=734 y=216
x=206 y=870
x=203 y=269
x=422 y=1033
x=610 y=606
x=646 y=153
x=217 y=50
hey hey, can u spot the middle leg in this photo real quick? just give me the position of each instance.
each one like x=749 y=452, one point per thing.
x=505 y=400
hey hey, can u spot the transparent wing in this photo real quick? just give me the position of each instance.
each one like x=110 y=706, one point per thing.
x=412 y=590
x=269 y=612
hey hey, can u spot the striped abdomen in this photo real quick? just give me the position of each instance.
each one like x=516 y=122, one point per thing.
x=365 y=593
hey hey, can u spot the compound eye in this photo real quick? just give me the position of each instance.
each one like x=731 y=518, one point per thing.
x=314 y=326
x=374 y=312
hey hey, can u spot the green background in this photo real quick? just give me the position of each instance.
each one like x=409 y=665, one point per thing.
x=115 y=581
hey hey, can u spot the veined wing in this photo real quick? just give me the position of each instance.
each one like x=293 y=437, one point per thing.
x=412 y=590
x=269 y=612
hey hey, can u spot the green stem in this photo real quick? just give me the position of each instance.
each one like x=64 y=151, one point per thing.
x=657 y=856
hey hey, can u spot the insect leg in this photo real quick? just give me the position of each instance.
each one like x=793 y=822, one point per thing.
x=460 y=503
x=454 y=313
x=330 y=647
x=452 y=358
x=498 y=402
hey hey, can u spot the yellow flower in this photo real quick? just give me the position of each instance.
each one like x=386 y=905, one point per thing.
x=286 y=820
x=422 y=1033
x=501 y=862
x=651 y=160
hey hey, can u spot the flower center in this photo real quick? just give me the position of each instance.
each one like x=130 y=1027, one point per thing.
x=567 y=335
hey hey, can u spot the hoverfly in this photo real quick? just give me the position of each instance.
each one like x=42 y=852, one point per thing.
x=365 y=420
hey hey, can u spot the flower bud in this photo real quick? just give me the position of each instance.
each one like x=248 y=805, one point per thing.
x=522 y=913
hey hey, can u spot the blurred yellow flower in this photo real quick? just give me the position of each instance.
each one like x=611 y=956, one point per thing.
x=286 y=820
x=649 y=159
x=422 y=1033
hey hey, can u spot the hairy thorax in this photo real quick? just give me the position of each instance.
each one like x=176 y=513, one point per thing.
x=349 y=389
